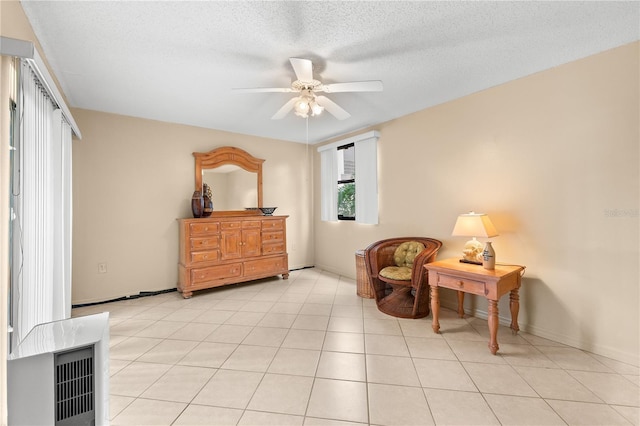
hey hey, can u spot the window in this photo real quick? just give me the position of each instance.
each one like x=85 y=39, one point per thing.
x=349 y=182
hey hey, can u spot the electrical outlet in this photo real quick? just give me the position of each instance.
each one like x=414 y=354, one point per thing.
x=102 y=268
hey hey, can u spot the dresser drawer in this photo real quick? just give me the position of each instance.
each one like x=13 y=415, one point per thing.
x=212 y=242
x=213 y=273
x=204 y=228
x=274 y=265
x=457 y=283
x=273 y=248
x=272 y=225
x=250 y=224
x=204 y=256
x=272 y=236
x=226 y=226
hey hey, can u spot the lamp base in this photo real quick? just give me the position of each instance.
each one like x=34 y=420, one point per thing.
x=472 y=252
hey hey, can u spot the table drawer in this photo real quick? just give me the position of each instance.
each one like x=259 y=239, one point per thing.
x=204 y=228
x=205 y=256
x=462 y=284
x=213 y=273
x=205 y=243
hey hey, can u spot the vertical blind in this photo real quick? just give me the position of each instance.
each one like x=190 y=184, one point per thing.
x=328 y=184
x=367 y=180
x=42 y=209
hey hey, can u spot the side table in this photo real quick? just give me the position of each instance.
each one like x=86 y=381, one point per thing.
x=474 y=279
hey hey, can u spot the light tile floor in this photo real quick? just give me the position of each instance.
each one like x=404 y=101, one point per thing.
x=309 y=351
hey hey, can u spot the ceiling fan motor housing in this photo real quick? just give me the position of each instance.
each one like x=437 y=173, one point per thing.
x=306 y=85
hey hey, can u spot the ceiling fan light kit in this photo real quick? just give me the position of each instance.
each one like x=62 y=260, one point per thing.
x=307 y=104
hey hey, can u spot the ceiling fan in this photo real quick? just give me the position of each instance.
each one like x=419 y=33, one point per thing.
x=308 y=103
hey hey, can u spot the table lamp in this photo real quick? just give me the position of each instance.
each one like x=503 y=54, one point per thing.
x=475 y=225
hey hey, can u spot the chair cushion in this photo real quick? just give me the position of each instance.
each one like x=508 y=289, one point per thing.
x=398 y=273
x=406 y=252
x=403 y=257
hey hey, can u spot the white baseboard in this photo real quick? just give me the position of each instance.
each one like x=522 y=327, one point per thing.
x=629 y=358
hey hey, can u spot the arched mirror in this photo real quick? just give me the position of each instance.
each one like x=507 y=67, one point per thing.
x=234 y=176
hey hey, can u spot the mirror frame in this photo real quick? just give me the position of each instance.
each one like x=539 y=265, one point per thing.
x=228 y=155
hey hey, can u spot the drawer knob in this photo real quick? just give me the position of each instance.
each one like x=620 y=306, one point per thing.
x=461 y=283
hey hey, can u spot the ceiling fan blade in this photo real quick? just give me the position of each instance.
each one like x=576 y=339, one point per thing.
x=335 y=109
x=264 y=90
x=286 y=108
x=354 y=86
x=303 y=69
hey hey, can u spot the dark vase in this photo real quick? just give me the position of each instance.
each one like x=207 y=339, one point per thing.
x=197 y=204
x=208 y=206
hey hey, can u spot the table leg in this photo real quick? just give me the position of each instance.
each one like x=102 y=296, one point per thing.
x=493 y=326
x=435 y=308
x=514 y=304
x=461 y=304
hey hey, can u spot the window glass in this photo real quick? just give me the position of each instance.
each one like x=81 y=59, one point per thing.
x=347 y=201
x=346 y=182
x=346 y=162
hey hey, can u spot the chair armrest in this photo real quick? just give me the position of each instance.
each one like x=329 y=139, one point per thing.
x=425 y=256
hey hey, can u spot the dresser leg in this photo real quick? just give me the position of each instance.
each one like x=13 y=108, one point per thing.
x=435 y=309
x=493 y=326
x=187 y=294
x=514 y=304
x=285 y=276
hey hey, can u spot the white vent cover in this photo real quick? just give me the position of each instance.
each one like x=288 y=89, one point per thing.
x=75 y=391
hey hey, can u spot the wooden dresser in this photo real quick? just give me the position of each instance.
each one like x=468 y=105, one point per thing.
x=230 y=249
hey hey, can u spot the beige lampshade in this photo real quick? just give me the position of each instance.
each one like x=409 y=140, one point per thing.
x=474 y=225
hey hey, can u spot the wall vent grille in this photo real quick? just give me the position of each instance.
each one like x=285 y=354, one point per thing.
x=75 y=383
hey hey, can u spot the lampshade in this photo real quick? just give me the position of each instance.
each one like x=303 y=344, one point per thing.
x=306 y=105
x=302 y=107
x=316 y=109
x=474 y=225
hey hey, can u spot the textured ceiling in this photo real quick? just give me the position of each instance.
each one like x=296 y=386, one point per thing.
x=178 y=61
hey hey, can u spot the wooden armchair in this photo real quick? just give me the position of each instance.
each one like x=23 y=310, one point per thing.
x=396 y=273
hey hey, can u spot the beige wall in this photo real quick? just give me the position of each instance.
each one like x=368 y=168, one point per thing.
x=553 y=159
x=132 y=178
